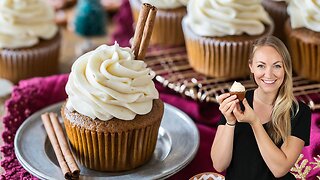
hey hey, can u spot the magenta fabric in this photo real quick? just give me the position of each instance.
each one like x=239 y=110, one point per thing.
x=313 y=149
x=32 y=95
x=28 y=97
x=123 y=25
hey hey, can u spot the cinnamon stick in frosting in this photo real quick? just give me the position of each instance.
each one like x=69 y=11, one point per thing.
x=60 y=146
x=143 y=30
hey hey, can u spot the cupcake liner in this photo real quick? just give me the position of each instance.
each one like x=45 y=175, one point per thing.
x=220 y=56
x=278 y=13
x=39 y=60
x=112 y=151
x=167 y=28
x=304 y=47
x=240 y=95
x=113 y=145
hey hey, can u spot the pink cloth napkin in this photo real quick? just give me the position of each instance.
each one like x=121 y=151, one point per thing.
x=28 y=97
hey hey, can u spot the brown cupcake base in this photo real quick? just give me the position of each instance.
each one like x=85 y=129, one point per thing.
x=39 y=60
x=240 y=95
x=304 y=47
x=167 y=28
x=113 y=145
x=221 y=57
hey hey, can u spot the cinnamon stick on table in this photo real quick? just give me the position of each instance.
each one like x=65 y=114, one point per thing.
x=143 y=30
x=60 y=146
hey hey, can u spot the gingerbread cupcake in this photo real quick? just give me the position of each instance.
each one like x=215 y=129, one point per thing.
x=167 y=28
x=29 y=39
x=219 y=35
x=303 y=34
x=113 y=111
x=277 y=9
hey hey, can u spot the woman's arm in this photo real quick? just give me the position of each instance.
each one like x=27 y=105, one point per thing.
x=278 y=160
x=222 y=146
x=221 y=150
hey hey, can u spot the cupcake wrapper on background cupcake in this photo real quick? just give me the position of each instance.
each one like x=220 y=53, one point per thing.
x=39 y=60
x=278 y=13
x=220 y=56
x=112 y=150
x=167 y=28
x=304 y=46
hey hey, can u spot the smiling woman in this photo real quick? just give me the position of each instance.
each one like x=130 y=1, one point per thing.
x=270 y=65
x=272 y=128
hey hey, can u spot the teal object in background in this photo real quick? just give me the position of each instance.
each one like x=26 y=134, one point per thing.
x=90 y=18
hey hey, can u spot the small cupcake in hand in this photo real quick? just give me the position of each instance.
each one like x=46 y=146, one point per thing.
x=167 y=27
x=303 y=34
x=29 y=39
x=238 y=89
x=219 y=35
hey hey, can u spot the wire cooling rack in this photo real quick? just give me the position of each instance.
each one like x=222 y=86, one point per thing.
x=173 y=71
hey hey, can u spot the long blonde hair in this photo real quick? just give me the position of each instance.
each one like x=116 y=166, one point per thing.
x=279 y=128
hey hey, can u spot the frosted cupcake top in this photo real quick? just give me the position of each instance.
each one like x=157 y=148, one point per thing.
x=304 y=13
x=237 y=87
x=24 y=22
x=166 y=4
x=217 y=18
x=107 y=82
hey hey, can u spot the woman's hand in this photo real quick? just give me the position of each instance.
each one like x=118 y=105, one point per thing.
x=227 y=105
x=248 y=115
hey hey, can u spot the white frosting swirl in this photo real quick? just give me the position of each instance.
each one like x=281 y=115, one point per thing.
x=166 y=4
x=304 y=13
x=23 y=22
x=226 y=17
x=237 y=87
x=107 y=82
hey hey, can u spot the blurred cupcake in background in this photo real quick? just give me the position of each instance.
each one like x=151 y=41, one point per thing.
x=303 y=34
x=167 y=28
x=219 y=35
x=277 y=10
x=29 y=39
